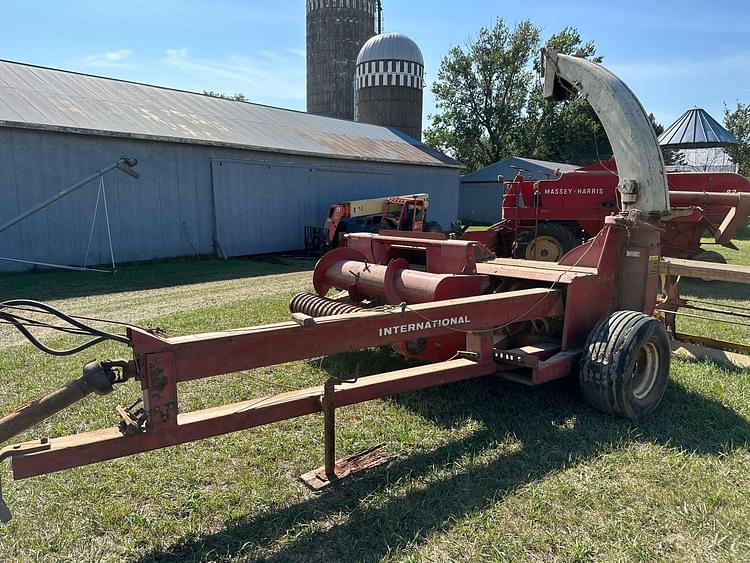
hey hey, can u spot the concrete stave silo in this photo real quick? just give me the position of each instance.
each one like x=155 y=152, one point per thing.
x=336 y=30
x=389 y=83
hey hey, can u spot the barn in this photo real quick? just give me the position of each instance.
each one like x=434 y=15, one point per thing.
x=217 y=176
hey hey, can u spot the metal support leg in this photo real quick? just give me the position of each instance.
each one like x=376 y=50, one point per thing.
x=328 y=402
x=333 y=470
x=5 y=515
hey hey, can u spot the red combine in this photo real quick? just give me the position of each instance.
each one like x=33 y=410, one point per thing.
x=445 y=301
x=542 y=220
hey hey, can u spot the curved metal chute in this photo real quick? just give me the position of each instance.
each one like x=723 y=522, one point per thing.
x=643 y=182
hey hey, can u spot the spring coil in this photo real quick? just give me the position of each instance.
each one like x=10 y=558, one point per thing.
x=315 y=306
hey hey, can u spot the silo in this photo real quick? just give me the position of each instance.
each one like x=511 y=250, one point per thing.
x=336 y=30
x=389 y=83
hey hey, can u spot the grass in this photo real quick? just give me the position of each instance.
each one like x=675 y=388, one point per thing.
x=719 y=292
x=484 y=470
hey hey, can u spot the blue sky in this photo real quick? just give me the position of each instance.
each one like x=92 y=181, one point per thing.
x=673 y=54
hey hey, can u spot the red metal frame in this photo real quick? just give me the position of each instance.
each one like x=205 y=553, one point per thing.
x=163 y=363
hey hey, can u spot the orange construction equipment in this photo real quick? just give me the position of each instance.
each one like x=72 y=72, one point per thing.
x=394 y=213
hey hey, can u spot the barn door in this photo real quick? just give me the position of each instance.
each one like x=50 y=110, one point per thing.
x=259 y=207
x=262 y=207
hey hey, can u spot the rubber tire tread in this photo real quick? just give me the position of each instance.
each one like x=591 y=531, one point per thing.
x=608 y=363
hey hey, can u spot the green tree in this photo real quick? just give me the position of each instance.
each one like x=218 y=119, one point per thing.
x=481 y=94
x=490 y=104
x=569 y=132
x=737 y=122
x=238 y=97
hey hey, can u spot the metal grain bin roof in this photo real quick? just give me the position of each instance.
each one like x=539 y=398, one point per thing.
x=34 y=97
x=531 y=168
x=390 y=46
x=696 y=129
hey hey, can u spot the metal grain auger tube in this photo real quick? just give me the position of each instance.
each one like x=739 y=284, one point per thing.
x=640 y=165
x=450 y=303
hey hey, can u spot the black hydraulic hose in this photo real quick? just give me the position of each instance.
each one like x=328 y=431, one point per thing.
x=46 y=349
x=77 y=327
x=67 y=318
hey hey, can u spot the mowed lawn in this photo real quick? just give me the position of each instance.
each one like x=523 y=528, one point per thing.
x=484 y=470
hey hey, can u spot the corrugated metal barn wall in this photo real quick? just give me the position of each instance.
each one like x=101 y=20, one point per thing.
x=481 y=202
x=253 y=202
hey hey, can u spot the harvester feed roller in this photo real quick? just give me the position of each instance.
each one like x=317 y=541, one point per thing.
x=450 y=303
x=347 y=269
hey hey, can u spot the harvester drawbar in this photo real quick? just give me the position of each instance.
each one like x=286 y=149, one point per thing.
x=448 y=303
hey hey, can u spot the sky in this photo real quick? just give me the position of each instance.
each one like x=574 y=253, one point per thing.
x=674 y=55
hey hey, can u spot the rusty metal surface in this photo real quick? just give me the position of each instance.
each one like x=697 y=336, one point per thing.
x=33 y=97
x=437 y=255
x=319 y=479
x=110 y=443
x=210 y=354
x=713 y=343
x=316 y=306
x=709 y=352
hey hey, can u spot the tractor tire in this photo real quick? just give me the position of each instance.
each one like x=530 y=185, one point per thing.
x=551 y=242
x=625 y=365
x=709 y=256
x=432 y=227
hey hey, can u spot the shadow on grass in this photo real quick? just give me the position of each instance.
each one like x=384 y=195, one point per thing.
x=557 y=431
x=743 y=233
x=47 y=285
x=713 y=290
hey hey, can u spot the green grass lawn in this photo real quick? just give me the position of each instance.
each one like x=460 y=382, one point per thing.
x=485 y=470
x=719 y=292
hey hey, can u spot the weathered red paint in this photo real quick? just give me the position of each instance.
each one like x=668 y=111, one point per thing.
x=585 y=197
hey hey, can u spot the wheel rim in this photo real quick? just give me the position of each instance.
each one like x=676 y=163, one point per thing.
x=646 y=371
x=544 y=248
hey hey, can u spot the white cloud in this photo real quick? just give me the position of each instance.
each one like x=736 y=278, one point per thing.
x=272 y=77
x=116 y=58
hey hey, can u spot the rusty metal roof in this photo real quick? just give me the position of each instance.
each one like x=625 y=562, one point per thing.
x=33 y=97
x=696 y=129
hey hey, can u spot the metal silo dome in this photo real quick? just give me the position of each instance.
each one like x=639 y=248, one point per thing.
x=390 y=46
x=389 y=83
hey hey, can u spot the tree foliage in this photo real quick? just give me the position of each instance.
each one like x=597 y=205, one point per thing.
x=569 y=132
x=737 y=122
x=238 y=97
x=490 y=105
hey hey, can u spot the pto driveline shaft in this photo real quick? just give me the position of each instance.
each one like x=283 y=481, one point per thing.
x=94 y=379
